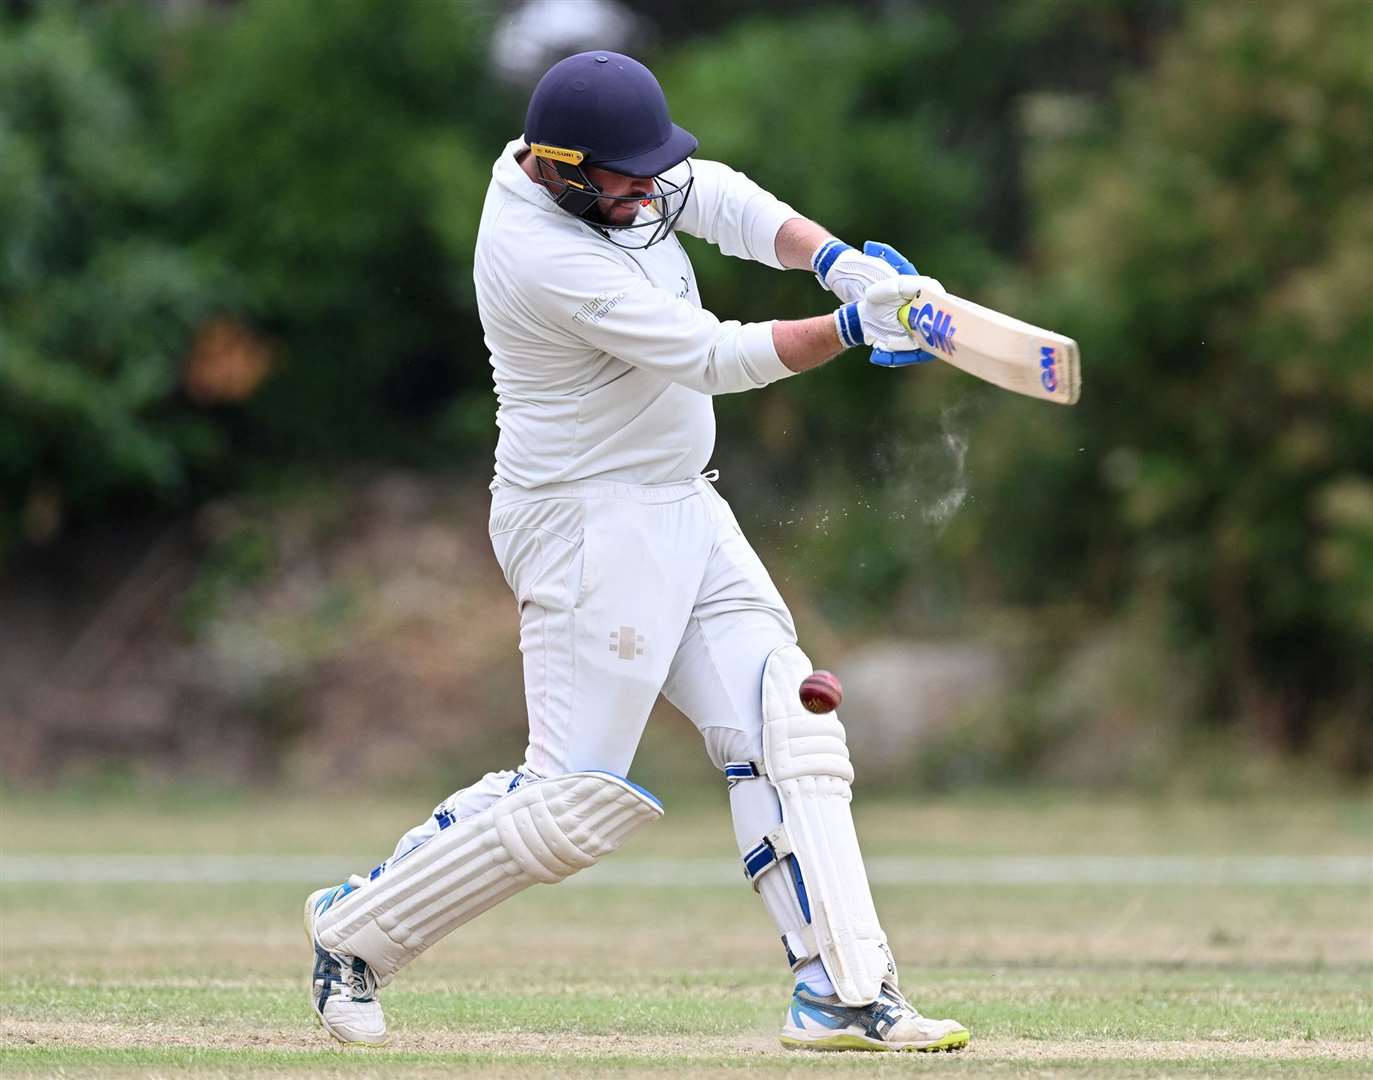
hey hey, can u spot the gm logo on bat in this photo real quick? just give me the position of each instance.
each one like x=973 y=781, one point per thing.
x=935 y=326
x=1048 y=374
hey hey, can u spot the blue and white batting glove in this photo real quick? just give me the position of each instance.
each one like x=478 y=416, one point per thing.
x=902 y=265
x=873 y=319
x=848 y=274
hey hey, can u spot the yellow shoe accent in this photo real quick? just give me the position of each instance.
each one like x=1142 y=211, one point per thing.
x=954 y=1040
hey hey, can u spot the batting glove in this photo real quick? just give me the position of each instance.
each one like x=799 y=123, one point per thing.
x=902 y=265
x=846 y=272
x=872 y=320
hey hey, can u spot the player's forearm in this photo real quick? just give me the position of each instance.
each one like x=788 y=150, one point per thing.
x=797 y=241
x=803 y=344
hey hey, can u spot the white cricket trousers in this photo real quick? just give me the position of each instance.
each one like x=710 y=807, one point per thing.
x=624 y=592
x=627 y=591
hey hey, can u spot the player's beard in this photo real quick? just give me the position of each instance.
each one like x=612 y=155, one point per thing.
x=614 y=214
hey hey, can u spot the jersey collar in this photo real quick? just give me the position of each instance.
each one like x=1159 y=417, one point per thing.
x=509 y=175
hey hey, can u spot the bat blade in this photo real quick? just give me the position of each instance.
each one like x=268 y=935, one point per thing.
x=1004 y=351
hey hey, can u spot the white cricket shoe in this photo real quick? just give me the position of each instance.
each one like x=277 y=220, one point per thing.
x=343 y=990
x=816 y=1022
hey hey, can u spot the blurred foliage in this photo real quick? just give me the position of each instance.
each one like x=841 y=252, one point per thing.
x=238 y=238
x=340 y=156
x=96 y=294
x=316 y=169
x=1214 y=251
x=902 y=137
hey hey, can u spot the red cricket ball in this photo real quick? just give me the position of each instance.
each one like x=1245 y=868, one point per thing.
x=821 y=692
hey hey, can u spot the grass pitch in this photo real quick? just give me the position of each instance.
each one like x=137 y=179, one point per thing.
x=1132 y=975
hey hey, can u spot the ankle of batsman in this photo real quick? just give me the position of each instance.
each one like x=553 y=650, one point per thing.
x=631 y=576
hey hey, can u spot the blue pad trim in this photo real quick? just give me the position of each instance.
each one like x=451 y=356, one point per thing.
x=890 y=256
x=800 y=887
x=625 y=780
x=883 y=358
x=824 y=258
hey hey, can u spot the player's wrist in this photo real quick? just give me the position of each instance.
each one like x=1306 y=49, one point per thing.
x=825 y=256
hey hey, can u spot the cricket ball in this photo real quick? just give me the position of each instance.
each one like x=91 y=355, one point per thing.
x=821 y=692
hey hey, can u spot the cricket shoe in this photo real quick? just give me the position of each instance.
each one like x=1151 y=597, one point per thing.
x=343 y=989
x=816 y=1022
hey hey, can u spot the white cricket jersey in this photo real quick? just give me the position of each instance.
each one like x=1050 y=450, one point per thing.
x=604 y=360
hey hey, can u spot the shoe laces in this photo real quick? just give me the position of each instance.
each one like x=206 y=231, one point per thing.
x=348 y=976
x=899 y=1006
x=358 y=979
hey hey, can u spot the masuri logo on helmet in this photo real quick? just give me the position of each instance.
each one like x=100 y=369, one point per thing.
x=557 y=153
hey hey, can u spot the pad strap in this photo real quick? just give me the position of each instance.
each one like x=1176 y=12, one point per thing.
x=769 y=851
x=742 y=770
x=800 y=946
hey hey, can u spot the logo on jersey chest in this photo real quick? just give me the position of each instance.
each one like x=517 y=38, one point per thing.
x=594 y=310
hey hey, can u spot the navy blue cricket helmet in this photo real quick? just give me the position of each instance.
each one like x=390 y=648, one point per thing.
x=606 y=109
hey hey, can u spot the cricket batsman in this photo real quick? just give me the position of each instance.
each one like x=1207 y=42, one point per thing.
x=631 y=574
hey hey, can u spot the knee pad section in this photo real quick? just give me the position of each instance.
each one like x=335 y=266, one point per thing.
x=796 y=743
x=542 y=831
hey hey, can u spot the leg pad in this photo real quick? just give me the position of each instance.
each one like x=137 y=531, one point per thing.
x=807 y=761
x=542 y=831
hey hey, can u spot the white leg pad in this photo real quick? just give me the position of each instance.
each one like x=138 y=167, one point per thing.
x=807 y=760
x=541 y=831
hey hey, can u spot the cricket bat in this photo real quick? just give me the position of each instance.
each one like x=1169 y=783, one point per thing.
x=996 y=348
